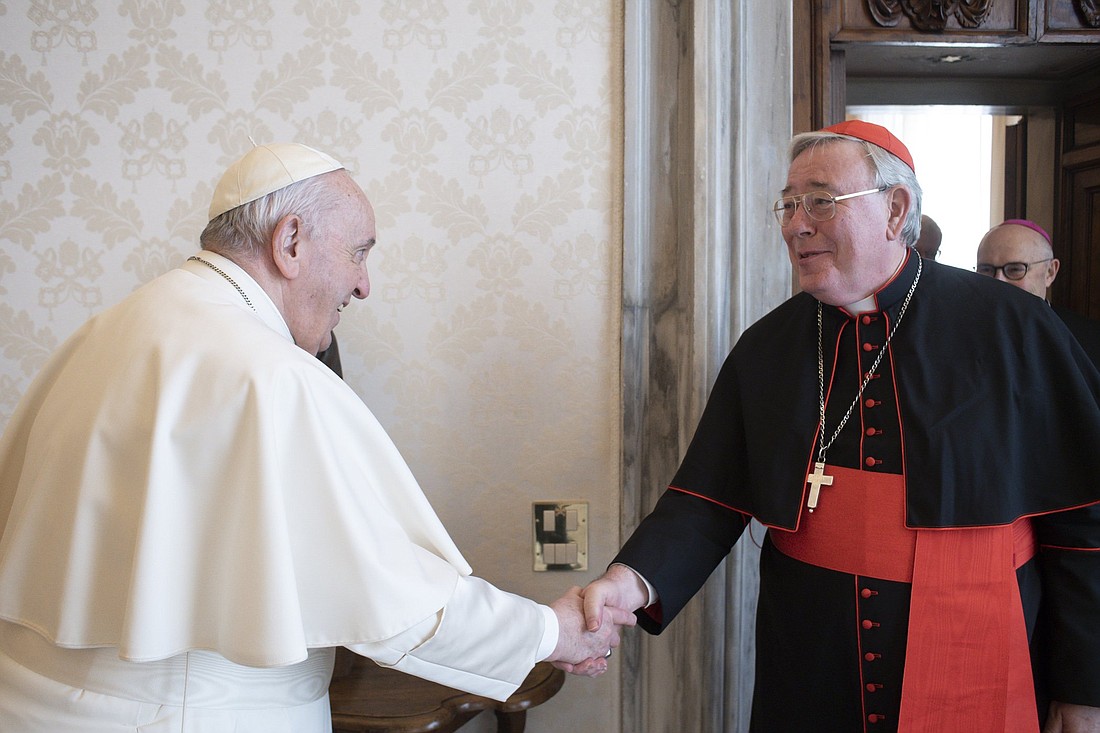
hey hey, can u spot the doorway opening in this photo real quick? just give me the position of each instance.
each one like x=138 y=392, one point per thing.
x=958 y=152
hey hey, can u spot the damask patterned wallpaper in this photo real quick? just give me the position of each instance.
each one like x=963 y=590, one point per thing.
x=487 y=134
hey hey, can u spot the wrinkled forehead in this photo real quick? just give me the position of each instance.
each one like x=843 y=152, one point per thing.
x=829 y=165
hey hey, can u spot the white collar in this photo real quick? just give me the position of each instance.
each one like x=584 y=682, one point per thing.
x=234 y=276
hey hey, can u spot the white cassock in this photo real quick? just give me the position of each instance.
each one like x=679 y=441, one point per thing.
x=196 y=512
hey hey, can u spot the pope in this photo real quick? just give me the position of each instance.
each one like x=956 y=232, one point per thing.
x=196 y=511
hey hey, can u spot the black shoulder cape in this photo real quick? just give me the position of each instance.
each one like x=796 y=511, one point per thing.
x=999 y=406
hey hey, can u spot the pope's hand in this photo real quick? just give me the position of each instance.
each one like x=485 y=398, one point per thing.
x=577 y=643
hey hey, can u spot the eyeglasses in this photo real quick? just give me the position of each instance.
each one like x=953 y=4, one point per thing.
x=1012 y=270
x=819 y=205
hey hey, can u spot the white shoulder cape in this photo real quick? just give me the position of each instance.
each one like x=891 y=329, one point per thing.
x=182 y=476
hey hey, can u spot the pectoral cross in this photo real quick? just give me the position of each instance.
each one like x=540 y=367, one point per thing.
x=816 y=480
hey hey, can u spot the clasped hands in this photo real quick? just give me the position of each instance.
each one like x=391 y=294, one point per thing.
x=589 y=621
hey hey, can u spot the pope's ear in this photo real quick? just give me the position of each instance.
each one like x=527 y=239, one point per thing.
x=900 y=201
x=286 y=246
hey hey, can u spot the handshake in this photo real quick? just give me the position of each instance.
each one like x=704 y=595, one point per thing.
x=589 y=620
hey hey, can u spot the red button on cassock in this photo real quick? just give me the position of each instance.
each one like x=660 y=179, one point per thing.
x=870 y=657
x=873 y=718
x=866 y=320
x=867 y=593
x=871 y=687
x=866 y=624
x=868 y=347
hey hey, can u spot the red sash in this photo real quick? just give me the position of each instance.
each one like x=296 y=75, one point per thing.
x=967 y=663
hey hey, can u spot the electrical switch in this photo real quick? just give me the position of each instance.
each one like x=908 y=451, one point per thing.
x=561 y=535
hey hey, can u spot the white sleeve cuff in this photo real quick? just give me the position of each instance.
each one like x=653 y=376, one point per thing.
x=550 y=633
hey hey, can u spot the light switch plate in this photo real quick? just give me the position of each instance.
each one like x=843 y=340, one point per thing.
x=561 y=535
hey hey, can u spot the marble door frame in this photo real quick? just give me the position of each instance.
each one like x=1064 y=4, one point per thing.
x=707 y=117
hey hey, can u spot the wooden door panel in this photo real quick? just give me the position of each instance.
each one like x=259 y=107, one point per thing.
x=1082 y=266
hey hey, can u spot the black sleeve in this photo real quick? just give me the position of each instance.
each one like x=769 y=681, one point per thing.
x=676 y=548
x=1069 y=612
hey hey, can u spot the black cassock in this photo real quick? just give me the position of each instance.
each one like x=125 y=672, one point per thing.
x=1086 y=331
x=988 y=408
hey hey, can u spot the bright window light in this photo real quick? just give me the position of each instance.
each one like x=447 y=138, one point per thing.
x=952 y=150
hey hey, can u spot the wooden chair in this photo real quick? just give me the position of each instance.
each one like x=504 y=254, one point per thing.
x=366 y=697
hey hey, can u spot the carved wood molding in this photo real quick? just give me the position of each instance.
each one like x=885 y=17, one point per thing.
x=1090 y=11
x=932 y=15
x=885 y=12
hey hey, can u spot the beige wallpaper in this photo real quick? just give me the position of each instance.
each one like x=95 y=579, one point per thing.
x=486 y=132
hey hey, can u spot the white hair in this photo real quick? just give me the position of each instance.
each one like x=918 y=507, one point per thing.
x=888 y=169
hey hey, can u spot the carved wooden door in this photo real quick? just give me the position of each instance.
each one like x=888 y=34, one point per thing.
x=1077 y=234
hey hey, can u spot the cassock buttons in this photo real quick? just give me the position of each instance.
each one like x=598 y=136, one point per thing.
x=867 y=593
x=868 y=347
x=875 y=717
x=868 y=624
x=866 y=320
x=871 y=656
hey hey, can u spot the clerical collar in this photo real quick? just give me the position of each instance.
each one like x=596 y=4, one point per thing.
x=891 y=293
x=864 y=306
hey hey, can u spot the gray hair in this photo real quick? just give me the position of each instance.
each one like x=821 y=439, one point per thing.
x=246 y=229
x=889 y=170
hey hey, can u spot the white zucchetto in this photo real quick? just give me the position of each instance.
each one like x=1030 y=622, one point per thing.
x=267 y=168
